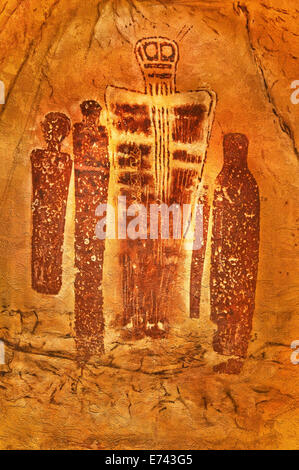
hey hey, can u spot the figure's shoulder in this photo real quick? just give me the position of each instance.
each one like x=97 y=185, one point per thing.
x=252 y=181
x=36 y=155
x=37 y=152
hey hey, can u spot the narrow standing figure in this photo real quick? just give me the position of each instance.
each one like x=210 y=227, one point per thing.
x=91 y=188
x=198 y=255
x=235 y=253
x=51 y=172
x=158 y=142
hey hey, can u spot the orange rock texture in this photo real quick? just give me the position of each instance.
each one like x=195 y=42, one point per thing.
x=167 y=392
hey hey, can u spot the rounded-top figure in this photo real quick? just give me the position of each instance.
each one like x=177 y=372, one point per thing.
x=91 y=111
x=234 y=254
x=56 y=127
x=51 y=172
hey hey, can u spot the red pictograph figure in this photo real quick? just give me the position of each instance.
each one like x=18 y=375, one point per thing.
x=235 y=253
x=51 y=172
x=198 y=254
x=91 y=188
x=158 y=141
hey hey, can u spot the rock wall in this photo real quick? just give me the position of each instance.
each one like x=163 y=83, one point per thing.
x=149 y=394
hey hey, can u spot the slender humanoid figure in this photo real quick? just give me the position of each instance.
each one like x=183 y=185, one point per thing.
x=51 y=172
x=235 y=253
x=198 y=255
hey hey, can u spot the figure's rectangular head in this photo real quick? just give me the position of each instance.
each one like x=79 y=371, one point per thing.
x=158 y=57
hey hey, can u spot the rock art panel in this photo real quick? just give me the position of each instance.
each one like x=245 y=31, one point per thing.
x=158 y=142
